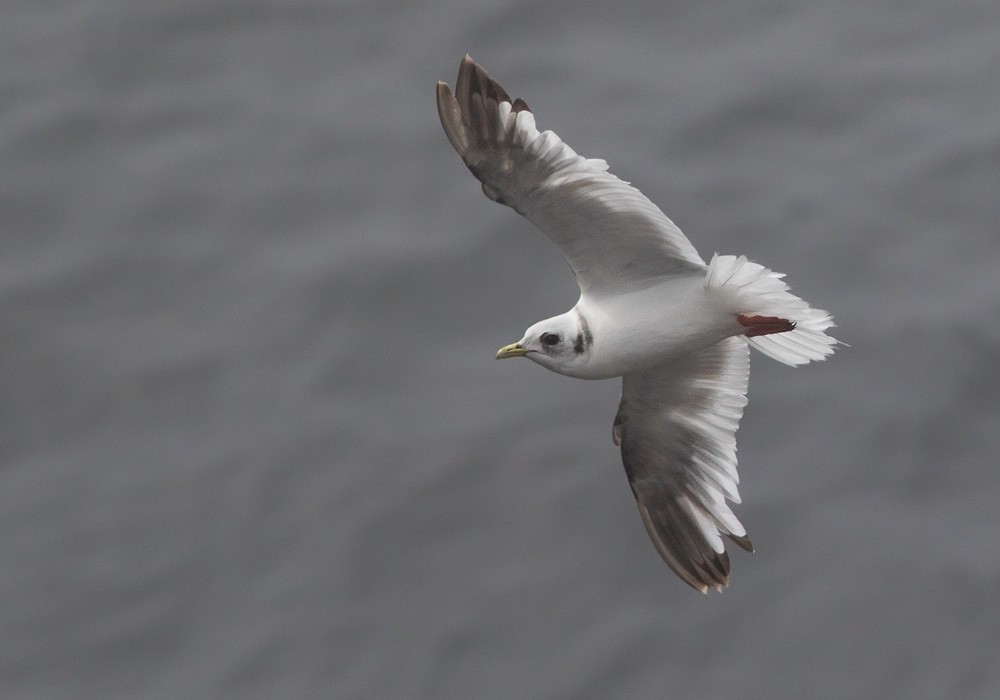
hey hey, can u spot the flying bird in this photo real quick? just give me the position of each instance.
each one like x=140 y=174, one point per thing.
x=677 y=331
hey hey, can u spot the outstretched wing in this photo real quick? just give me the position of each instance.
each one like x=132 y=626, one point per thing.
x=677 y=429
x=612 y=235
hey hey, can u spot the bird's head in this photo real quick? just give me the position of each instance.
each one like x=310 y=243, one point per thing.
x=559 y=343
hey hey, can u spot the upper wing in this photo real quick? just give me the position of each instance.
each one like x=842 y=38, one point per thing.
x=612 y=235
x=677 y=429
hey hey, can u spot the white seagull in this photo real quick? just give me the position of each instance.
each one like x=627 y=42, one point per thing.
x=650 y=311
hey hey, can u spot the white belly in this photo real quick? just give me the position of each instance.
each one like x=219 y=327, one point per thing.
x=648 y=327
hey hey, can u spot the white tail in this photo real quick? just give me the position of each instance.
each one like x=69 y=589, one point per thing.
x=757 y=290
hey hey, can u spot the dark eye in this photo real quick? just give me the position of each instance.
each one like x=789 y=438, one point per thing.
x=550 y=339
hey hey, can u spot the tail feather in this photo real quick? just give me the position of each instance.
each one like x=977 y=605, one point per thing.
x=759 y=291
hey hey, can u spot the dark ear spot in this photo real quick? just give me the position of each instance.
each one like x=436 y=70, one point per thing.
x=585 y=338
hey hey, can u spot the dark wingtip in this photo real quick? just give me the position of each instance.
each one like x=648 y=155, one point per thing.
x=473 y=79
x=473 y=121
x=450 y=115
x=443 y=94
x=466 y=65
x=743 y=542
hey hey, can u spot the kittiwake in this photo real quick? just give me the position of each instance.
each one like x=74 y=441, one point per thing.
x=650 y=311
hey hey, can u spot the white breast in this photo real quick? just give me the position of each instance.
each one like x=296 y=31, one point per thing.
x=643 y=329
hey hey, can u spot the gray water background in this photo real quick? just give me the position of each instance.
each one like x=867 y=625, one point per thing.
x=254 y=442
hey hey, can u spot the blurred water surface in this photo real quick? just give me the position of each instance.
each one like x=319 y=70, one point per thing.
x=254 y=443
